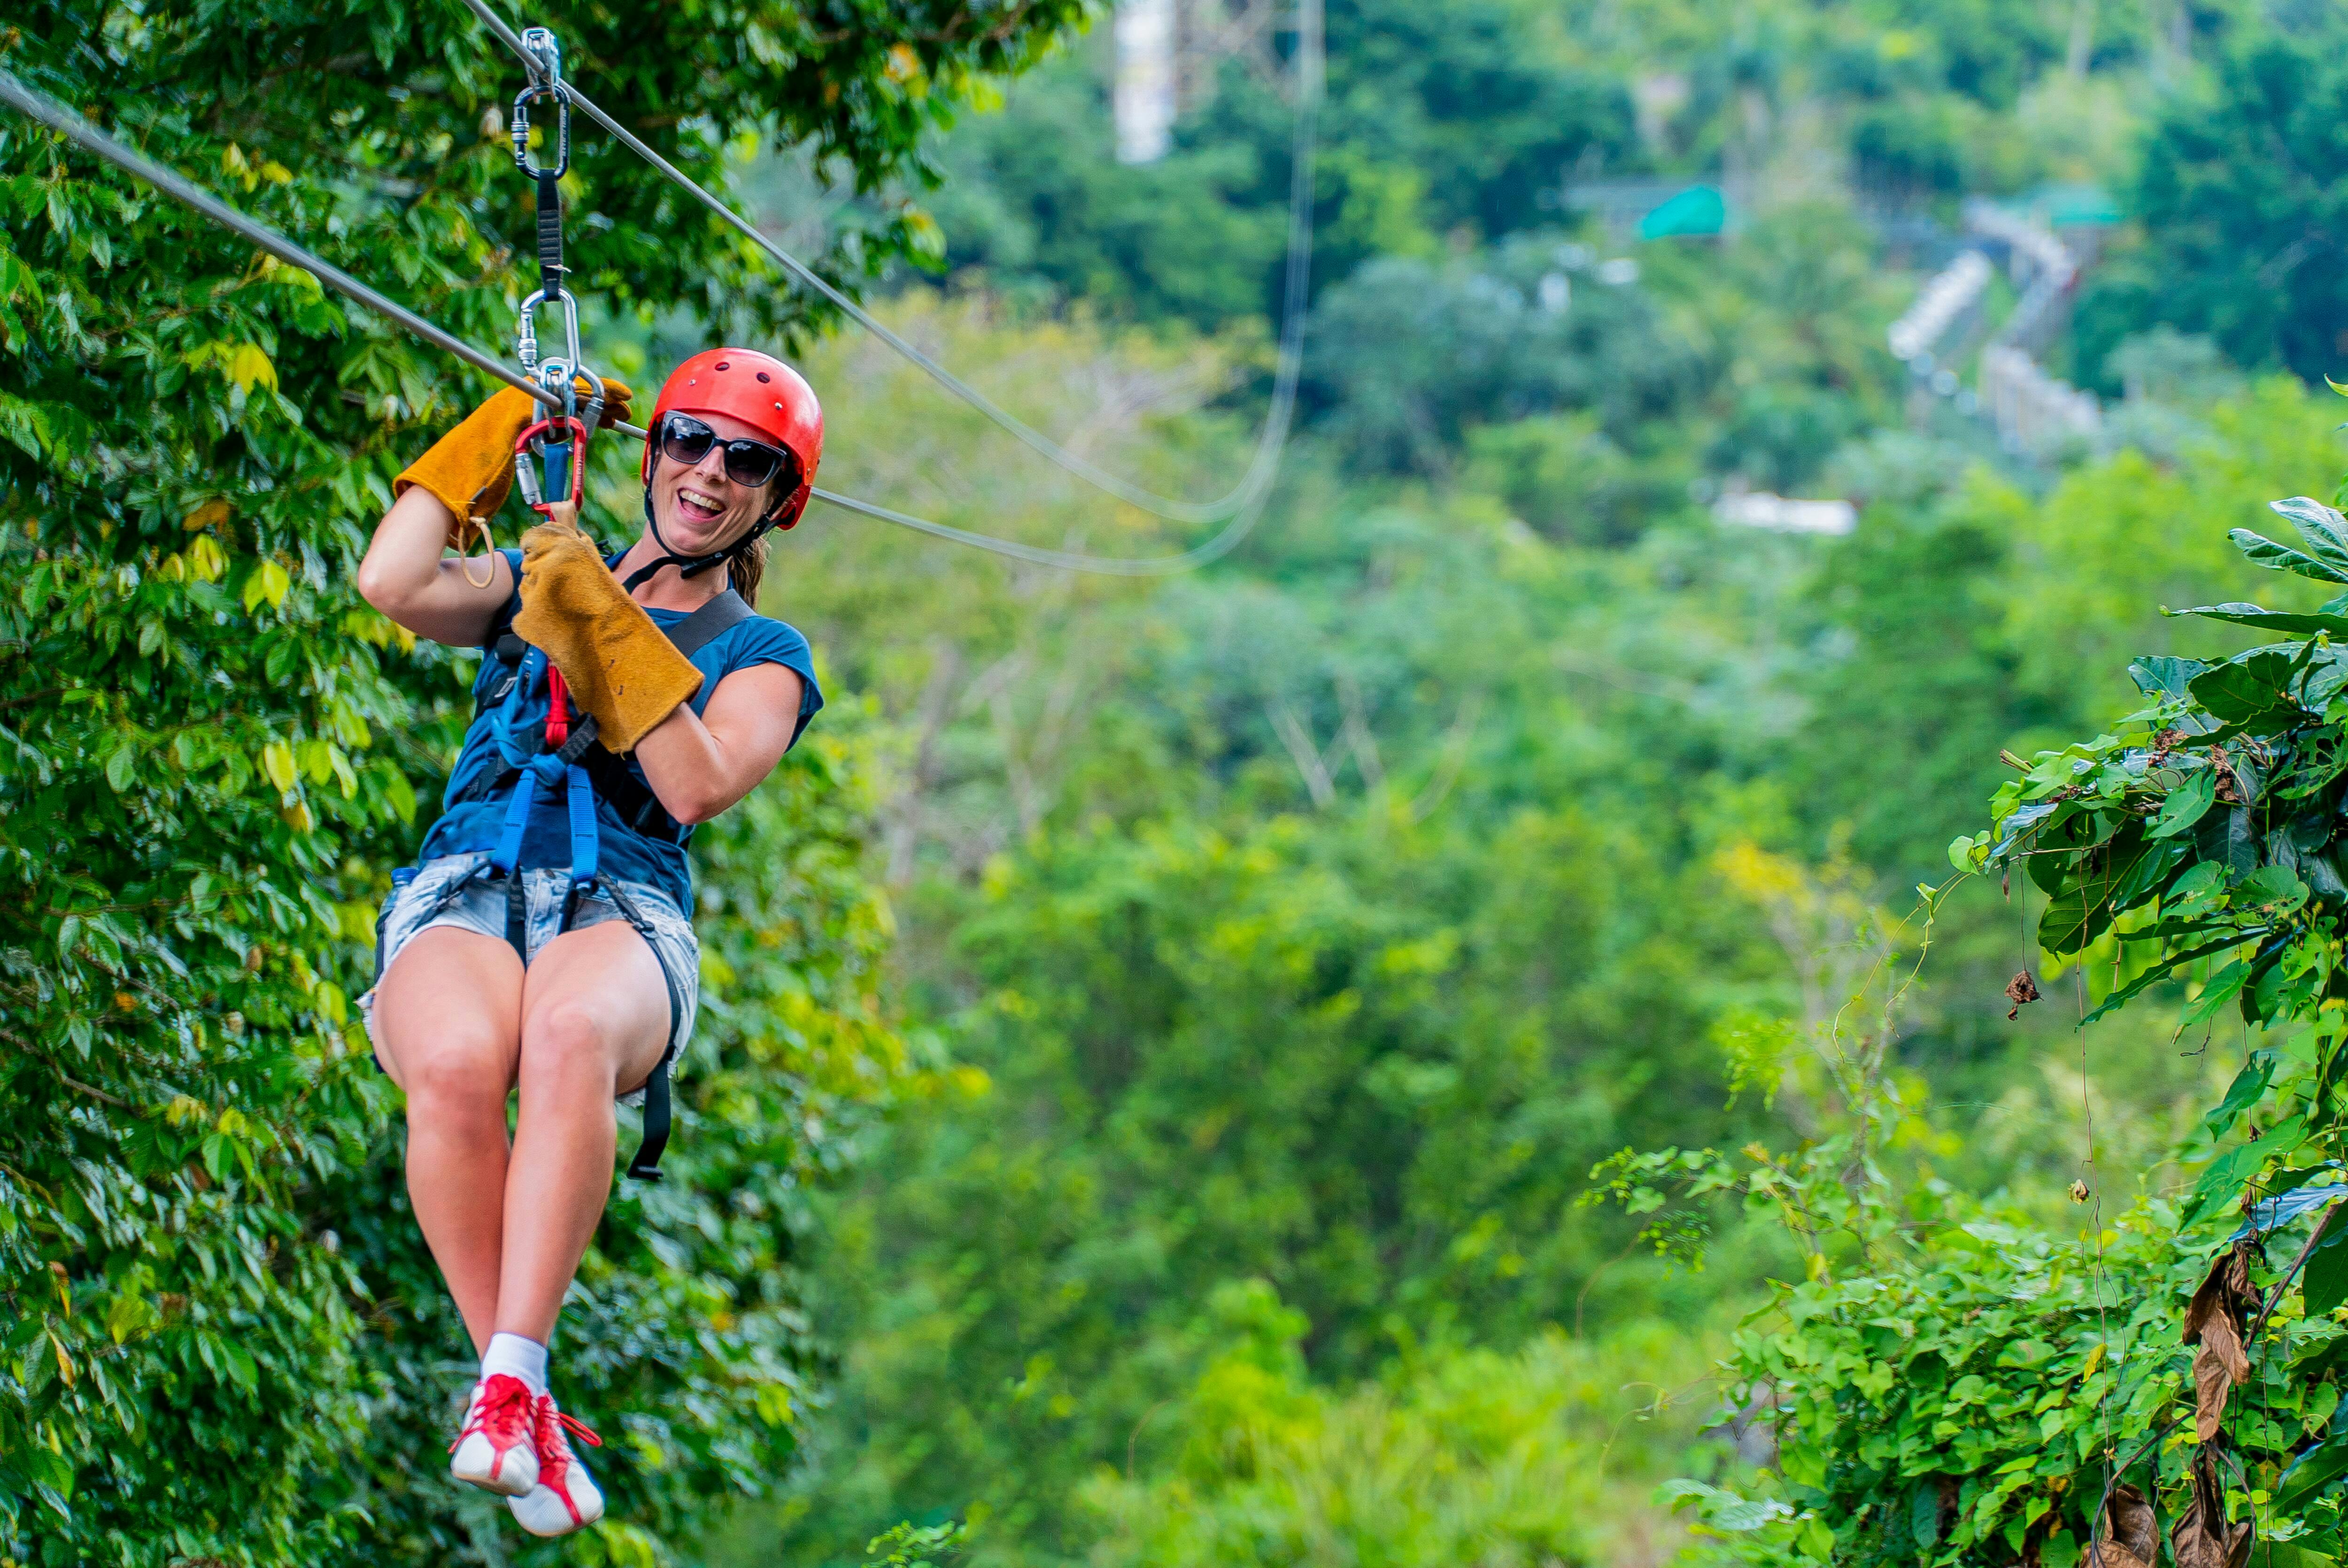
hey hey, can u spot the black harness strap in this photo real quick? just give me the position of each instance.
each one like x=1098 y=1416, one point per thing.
x=549 y=235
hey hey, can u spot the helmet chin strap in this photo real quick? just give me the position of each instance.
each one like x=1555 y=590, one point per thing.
x=689 y=566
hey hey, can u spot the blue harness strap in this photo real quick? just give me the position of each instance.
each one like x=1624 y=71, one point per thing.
x=547 y=770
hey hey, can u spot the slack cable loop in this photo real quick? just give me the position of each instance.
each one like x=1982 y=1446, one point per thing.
x=38 y=107
x=1256 y=481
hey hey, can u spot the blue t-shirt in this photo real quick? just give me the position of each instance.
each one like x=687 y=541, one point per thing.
x=622 y=854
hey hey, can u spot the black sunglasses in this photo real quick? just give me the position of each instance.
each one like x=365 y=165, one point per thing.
x=747 y=463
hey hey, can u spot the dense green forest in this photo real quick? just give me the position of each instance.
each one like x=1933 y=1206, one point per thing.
x=1456 y=1034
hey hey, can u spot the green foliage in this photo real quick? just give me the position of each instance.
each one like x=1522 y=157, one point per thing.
x=1956 y=1384
x=908 y=1545
x=1437 y=121
x=1460 y=1456
x=224 y=1341
x=2239 y=193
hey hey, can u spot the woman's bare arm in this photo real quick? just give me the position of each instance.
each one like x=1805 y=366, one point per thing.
x=699 y=766
x=408 y=578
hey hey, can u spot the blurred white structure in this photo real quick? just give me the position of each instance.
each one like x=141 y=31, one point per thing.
x=2036 y=415
x=1954 y=291
x=1169 y=54
x=1784 y=515
x=1144 y=101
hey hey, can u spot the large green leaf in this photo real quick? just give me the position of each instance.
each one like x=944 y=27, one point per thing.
x=2164 y=675
x=2241 y=614
x=2323 y=529
x=2222 y=1181
x=2325 y=1282
x=2282 y=557
x=2228 y=838
x=2313 y=1471
x=2247 y=689
x=2226 y=984
x=2250 y=1086
x=2186 y=803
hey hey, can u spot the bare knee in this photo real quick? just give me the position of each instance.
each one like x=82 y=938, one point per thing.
x=568 y=1044
x=459 y=1079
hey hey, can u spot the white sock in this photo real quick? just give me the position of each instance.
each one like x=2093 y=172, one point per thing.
x=516 y=1358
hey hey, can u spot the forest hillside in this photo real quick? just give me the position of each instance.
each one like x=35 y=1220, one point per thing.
x=1532 y=1011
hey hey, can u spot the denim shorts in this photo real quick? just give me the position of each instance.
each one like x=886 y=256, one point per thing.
x=464 y=893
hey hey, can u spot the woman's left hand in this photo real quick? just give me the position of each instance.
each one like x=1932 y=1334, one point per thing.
x=619 y=666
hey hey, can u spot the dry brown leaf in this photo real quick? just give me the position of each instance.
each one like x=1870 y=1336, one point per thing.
x=2218 y=1366
x=2131 y=1535
x=2214 y=1320
x=2202 y=1539
x=2226 y=1288
x=2021 y=991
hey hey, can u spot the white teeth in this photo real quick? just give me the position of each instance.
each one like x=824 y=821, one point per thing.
x=695 y=497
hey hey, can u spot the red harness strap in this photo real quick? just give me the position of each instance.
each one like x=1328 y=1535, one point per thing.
x=558 y=708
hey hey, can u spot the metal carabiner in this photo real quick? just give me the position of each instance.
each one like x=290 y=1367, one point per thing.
x=526 y=330
x=543 y=54
x=561 y=95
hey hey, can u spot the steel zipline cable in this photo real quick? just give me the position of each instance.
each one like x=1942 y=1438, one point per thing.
x=1265 y=463
x=38 y=107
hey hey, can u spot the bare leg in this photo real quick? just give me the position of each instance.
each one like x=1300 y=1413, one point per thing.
x=447 y=1019
x=594 y=1019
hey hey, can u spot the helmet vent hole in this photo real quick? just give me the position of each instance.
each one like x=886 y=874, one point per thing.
x=724 y=365
x=764 y=376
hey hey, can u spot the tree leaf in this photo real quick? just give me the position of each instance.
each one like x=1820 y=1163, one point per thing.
x=2186 y=803
x=2251 y=686
x=2325 y=531
x=2164 y=675
x=2131 y=1533
x=2282 y=557
x=2324 y=1283
x=2307 y=624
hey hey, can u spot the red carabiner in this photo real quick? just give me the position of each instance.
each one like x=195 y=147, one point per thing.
x=529 y=445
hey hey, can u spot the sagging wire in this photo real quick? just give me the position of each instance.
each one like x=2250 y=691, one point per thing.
x=39 y=108
x=1239 y=504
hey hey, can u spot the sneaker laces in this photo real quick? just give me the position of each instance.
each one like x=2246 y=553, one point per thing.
x=554 y=1452
x=504 y=1414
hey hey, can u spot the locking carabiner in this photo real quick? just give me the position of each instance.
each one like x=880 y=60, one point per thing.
x=526 y=330
x=544 y=55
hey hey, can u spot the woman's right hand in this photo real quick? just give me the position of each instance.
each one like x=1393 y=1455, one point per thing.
x=444 y=500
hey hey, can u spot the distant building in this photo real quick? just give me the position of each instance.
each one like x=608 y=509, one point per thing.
x=1654 y=209
x=1168 y=55
x=1784 y=515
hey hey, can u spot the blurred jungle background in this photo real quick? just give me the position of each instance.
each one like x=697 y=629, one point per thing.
x=1171 y=1022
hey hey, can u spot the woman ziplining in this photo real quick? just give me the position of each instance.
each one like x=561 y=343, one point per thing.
x=541 y=943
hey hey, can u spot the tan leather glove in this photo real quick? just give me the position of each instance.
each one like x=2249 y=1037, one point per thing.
x=620 y=667
x=471 y=470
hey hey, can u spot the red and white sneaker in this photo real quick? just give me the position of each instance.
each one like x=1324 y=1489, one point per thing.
x=497 y=1449
x=566 y=1497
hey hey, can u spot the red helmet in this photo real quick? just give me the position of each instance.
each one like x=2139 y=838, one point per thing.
x=760 y=391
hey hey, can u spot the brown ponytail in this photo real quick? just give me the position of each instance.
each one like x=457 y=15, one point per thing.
x=749 y=569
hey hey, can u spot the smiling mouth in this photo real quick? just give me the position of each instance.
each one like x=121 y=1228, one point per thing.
x=699 y=508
